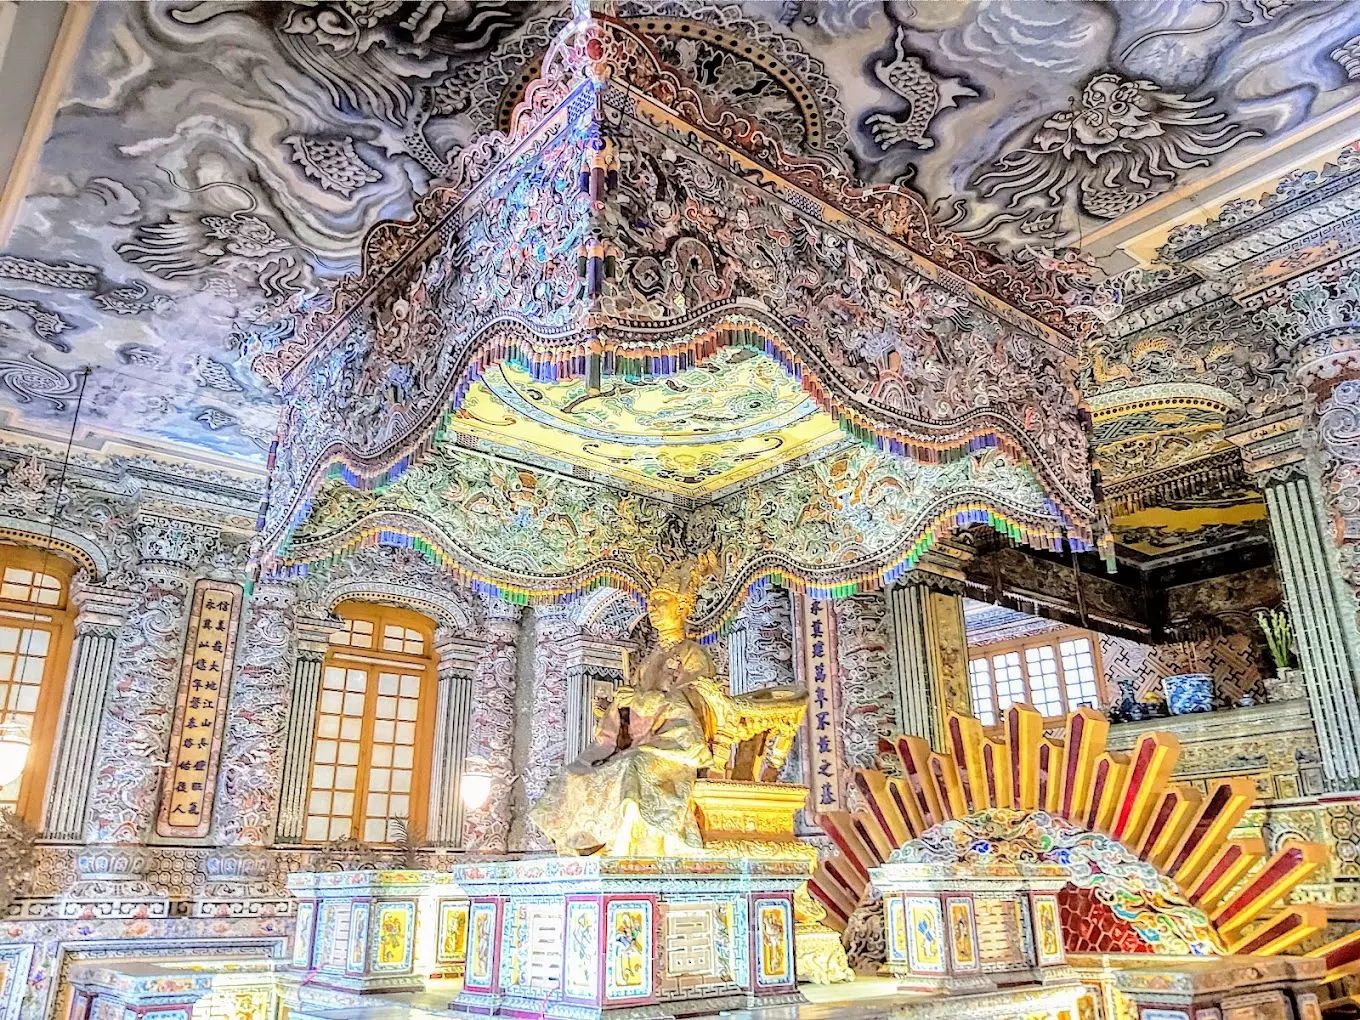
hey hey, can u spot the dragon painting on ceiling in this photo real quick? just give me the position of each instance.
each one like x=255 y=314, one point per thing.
x=210 y=157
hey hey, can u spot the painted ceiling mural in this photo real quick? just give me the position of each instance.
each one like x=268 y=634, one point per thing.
x=214 y=155
x=208 y=158
x=214 y=160
x=701 y=430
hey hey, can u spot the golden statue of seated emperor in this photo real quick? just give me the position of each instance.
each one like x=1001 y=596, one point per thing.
x=629 y=792
x=636 y=790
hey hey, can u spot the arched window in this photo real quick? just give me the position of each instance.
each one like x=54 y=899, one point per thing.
x=35 y=641
x=374 y=727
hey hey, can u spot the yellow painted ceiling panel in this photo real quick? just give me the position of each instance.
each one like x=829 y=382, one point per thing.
x=691 y=433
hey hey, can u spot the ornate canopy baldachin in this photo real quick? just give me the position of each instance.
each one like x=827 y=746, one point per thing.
x=634 y=326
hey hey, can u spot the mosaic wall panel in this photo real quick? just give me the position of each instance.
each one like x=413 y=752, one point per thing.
x=865 y=671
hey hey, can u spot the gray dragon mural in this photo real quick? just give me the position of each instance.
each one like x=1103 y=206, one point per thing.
x=212 y=157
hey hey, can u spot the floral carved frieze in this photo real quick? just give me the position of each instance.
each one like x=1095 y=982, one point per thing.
x=169 y=541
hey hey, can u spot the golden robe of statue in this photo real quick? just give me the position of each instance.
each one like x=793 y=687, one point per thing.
x=629 y=791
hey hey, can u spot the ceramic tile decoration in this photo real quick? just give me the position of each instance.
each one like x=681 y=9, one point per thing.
x=628 y=950
x=741 y=942
x=962 y=933
x=482 y=944
x=1048 y=939
x=452 y=940
x=581 y=959
x=303 y=933
x=774 y=942
x=1189 y=692
x=925 y=948
x=366 y=928
x=328 y=929
x=895 y=923
x=394 y=925
x=609 y=935
x=358 y=941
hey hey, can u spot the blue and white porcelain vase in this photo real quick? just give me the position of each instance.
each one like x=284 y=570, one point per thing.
x=1189 y=692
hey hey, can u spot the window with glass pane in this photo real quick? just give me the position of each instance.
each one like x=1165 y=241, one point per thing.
x=1010 y=679
x=1054 y=673
x=1045 y=692
x=980 y=686
x=370 y=752
x=34 y=643
x=402 y=639
x=356 y=634
x=393 y=754
x=336 y=753
x=1079 y=673
x=20 y=584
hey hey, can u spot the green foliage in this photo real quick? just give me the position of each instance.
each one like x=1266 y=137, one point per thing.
x=1274 y=623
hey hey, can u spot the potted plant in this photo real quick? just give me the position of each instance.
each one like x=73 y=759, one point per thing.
x=1287 y=683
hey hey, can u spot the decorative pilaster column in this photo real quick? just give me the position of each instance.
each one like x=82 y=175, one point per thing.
x=311 y=637
x=100 y=613
x=738 y=655
x=458 y=659
x=253 y=745
x=492 y=731
x=868 y=695
x=1322 y=608
x=556 y=651
x=760 y=647
x=594 y=660
x=929 y=659
x=140 y=704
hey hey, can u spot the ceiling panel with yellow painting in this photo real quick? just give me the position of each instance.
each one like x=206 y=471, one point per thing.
x=693 y=433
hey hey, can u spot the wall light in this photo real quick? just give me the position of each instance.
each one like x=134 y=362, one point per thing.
x=474 y=787
x=14 y=744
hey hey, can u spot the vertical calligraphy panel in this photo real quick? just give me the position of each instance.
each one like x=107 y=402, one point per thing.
x=816 y=637
x=200 y=710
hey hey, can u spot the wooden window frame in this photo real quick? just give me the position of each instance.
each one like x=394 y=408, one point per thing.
x=373 y=660
x=1049 y=638
x=33 y=785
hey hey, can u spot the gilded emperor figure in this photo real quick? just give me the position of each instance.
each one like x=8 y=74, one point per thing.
x=628 y=794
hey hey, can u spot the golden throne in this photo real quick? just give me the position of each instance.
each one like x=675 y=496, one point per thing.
x=742 y=810
x=750 y=736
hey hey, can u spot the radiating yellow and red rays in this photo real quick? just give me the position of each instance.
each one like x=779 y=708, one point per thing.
x=1129 y=797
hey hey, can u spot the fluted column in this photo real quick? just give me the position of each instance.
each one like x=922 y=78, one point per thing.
x=100 y=612
x=738 y=667
x=140 y=703
x=297 y=762
x=1324 y=625
x=255 y=739
x=311 y=637
x=929 y=659
x=458 y=660
x=595 y=659
x=492 y=729
x=1322 y=609
x=760 y=646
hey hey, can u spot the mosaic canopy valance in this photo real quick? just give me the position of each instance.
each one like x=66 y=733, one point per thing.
x=634 y=326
